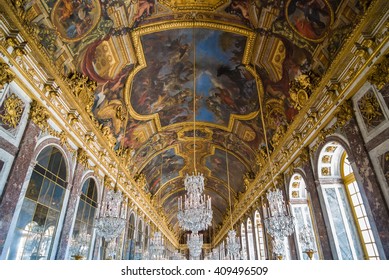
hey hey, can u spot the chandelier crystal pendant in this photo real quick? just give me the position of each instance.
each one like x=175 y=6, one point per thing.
x=278 y=221
x=80 y=244
x=307 y=240
x=156 y=248
x=278 y=247
x=195 y=244
x=110 y=224
x=195 y=212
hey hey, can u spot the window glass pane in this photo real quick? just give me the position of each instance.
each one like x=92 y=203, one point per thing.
x=46 y=192
x=55 y=161
x=354 y=199
x=26 y=213
x=44 y=157
x=370 y=249
x=57 y=198
x=366 y=236
x=34 y=186
x=358 y=211
x=40 y=215
x=362 y=223
x=62 y=170
x=351 y=189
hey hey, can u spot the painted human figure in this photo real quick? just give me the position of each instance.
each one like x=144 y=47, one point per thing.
x=313 y=12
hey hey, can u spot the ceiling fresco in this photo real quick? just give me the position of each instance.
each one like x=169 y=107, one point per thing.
x=160 y=65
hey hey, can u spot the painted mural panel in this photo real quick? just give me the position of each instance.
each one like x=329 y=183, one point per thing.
x=217 y=164
x=309 y=18
x=75 y=19
x=166 y=166
x=223 y=86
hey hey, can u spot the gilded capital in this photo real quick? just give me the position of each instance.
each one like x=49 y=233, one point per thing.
x=82 y=157
x=39 y=115
x=380 y=73
x=6 y=75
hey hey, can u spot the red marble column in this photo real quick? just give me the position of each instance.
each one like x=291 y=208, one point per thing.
x=75 y=191
x=365 y=175
x=312 y=186
x=16 y=178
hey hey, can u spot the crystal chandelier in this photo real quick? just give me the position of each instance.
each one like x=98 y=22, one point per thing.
x=278 y=221
x=195 y=213
x=156 y=247
x=306 y=238
x=110 y=224
x=195 y=243
x=233 y=245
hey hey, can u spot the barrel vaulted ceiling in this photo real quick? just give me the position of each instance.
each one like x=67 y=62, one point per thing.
x=160 y=65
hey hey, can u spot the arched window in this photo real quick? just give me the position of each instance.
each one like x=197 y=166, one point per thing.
x=349 y=224
x=305 y=235
x=259 y=236
x=250 y=239
x=37 y=223
x=146 y=241
x=139 y=241
x=358 y=209
x=81 y=243
x=243 y=238
x=130 y=237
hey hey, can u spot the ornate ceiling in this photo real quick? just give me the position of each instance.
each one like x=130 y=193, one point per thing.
x=232 y=66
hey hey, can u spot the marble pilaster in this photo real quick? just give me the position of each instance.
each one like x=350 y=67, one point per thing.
x=16 y=178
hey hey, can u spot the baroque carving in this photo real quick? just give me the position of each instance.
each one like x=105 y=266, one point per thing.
x=380 y=73
x=301 y=88
x=39 y=115
x=6 y=76
x=248 y=177
x=278 y=135
x=82 y=157
x=83 y=89
x=370 y=109
x=13 y=110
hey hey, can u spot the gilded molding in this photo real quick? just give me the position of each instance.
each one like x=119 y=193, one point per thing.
x=13 y=110
x=6 y=75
